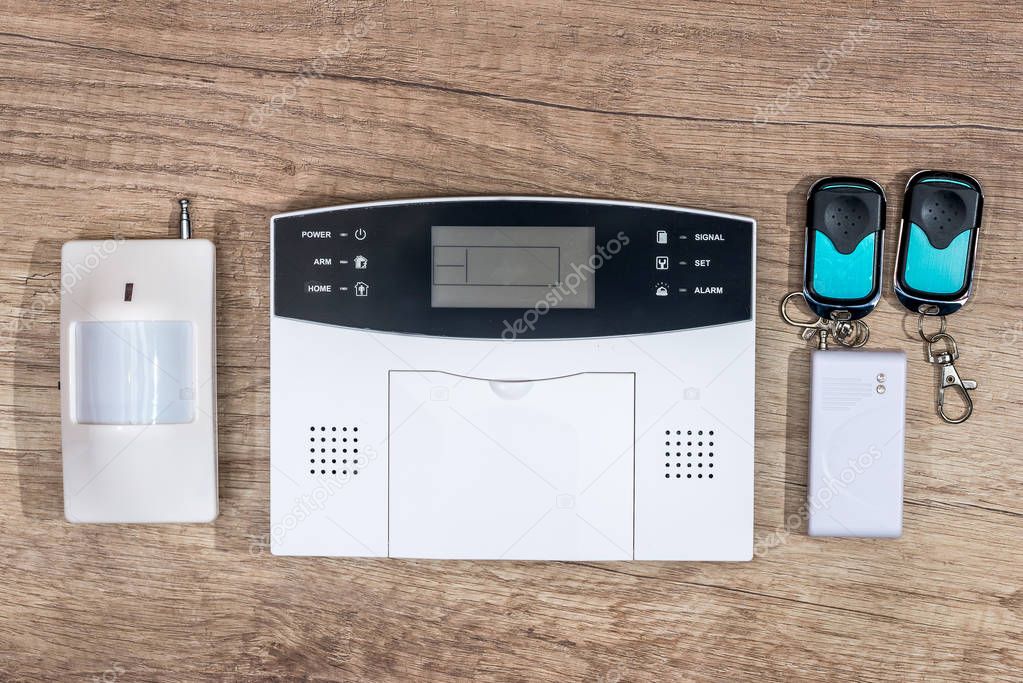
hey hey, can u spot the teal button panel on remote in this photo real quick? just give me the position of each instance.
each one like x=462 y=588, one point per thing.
x=941 y=271
x=843 y=276
x=937 y=244
x=844 y=245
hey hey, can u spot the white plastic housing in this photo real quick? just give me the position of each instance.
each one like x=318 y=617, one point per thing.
x=138 y=381
x=611 y=448
x=857 y=434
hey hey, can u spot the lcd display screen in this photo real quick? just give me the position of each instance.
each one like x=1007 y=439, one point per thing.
x=512 y=267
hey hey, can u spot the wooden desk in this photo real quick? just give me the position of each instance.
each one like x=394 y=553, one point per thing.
x=108 y=113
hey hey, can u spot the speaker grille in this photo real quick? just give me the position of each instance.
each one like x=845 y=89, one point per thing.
x=333 y=450
x=689 y=453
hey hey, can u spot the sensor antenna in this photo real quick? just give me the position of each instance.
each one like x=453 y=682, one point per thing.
x=186 y=224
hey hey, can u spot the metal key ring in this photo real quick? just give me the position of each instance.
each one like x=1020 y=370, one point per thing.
x=949 y=354
x=920 y=327
x=856 y=335
x=810 y=324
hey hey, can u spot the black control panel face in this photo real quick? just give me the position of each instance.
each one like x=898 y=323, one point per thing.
x=513 y=268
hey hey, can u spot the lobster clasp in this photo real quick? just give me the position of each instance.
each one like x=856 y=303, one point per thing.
x=945 y=356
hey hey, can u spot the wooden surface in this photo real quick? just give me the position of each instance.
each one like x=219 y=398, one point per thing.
x=108 y=112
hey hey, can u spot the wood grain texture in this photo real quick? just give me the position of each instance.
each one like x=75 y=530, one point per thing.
x=109 y=111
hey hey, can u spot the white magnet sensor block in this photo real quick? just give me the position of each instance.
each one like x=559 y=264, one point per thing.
x=138 y=381
x=857 y=434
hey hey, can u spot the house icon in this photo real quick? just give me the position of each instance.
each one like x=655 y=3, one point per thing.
x=361 y=289
x=360 y=262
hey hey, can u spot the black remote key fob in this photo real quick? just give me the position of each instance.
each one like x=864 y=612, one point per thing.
x=938 y=242
x=844 y=246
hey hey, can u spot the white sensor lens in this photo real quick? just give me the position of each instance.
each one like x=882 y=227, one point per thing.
x=134 y=372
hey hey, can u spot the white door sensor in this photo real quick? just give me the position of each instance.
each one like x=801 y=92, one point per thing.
x=138 y=379
x=857 y=425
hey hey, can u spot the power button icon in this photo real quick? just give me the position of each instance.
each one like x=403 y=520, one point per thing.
x=360 y=234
